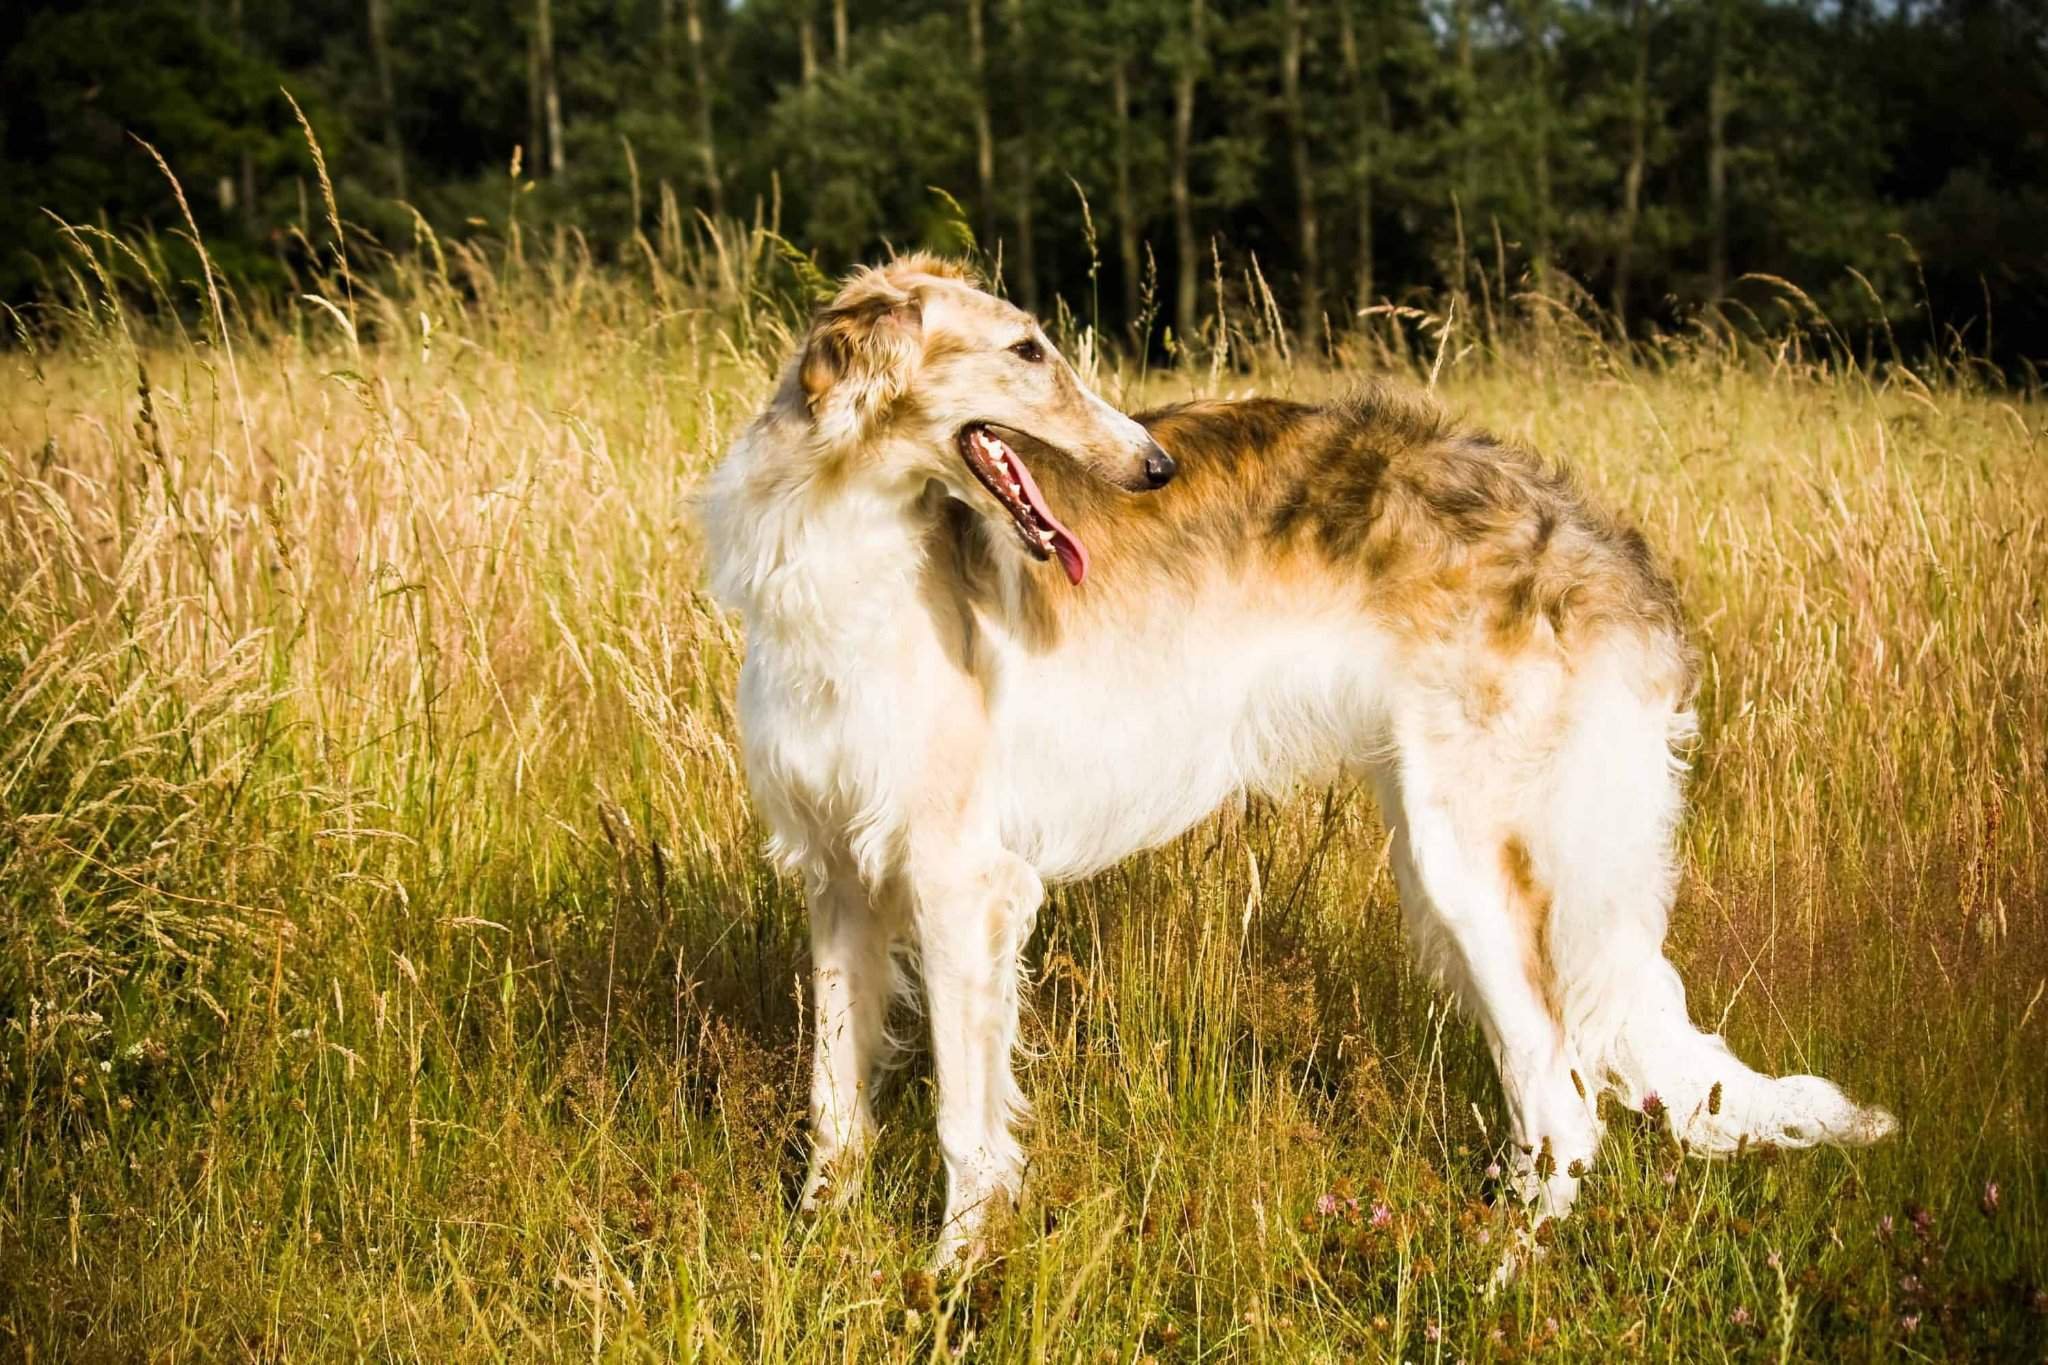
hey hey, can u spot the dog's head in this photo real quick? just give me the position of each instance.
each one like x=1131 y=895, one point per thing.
x=914 y=375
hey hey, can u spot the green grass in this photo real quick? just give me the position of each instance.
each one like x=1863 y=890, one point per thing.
x=389 y=967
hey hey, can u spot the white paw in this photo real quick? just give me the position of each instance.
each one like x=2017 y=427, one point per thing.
x=1548 y=1186
x=1785 y=1111
x=973 y=1210
x=1523 y=1249
x=833 y=1182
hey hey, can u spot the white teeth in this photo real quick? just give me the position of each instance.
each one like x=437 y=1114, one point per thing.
x=997 y=455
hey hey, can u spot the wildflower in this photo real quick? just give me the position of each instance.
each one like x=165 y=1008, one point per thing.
x=1773 y=1261
x=1493 y=1170
x=1884 y=1228
x=1909 y=1283
x=1326 y=1204
x=1910 y=1323
x=1740 y=1317
x=1381 y=1215
x=1431 y=1332
x=1653 y=1105
x=920 y=1291
x=1923 y=1220
x=1671 y=1176
x=1485 y=1236
x=1989 y=1203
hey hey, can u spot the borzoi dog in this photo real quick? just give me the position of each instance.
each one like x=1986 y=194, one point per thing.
x=1000 y=634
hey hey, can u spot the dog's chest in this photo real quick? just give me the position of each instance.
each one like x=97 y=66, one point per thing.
x=816 y=728
x=842 y=704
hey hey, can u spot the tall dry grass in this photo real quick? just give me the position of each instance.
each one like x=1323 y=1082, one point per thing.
x=389 y=968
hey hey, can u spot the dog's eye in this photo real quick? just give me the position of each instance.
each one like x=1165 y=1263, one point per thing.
x=1028 y=349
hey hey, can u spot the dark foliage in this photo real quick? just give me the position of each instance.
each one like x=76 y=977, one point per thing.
x=1892 y=161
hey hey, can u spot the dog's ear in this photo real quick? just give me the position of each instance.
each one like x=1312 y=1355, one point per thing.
x=861 y=354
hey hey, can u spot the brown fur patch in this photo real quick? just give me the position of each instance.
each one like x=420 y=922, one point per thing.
x=1435 y=532
x=1530 y=902
x=870 y=334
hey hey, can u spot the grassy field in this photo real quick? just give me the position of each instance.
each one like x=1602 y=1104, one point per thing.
x=387 y=965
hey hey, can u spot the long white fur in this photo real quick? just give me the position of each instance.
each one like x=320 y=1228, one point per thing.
x=910 y=828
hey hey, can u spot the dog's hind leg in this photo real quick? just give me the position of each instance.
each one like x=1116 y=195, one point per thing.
x=851 y=983
x=1457 y=868
x=972 y=911
x=1603 y=846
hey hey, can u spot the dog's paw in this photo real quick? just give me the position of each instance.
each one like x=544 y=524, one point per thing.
x=1523 y=1251
x=832 y=1183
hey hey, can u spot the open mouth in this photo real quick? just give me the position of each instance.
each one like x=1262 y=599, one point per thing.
x=1003 y=474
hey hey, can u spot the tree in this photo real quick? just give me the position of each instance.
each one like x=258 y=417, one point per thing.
x=1025 y=152
x=1717 y=152
x=1638 y=156
x=547 y=94
x=1188 y=264
x=247 y=157
x=984 y=131
x=1308 y=230
x=1126 y=212
x=1363 y=131
x=387 y=98
x=807 y=43
x=1537 y=35
x=707 y=144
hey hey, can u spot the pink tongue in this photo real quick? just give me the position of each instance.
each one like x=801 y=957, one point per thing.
x=1073 y=554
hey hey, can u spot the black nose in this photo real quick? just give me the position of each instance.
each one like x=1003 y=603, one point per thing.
x=1159 y=467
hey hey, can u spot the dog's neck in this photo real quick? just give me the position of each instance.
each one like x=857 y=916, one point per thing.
x=817 y=566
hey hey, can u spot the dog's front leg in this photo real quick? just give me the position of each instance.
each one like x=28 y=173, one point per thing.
x=973 y=909
x=851 y=979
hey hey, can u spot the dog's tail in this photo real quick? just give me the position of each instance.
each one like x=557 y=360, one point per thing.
x=1616 y=799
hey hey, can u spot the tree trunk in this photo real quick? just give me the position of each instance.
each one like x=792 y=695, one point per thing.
x=1026 y=176
x=1126 y=212
x=707 y=144
x=1308 y=230
x=248 y=158
x=1189 y=273
x=984 y=132
x=1638 y=153
x=839 y=35
x=1539 y=77
x=387 y=99
x=1362 y=149
x=807 y=44
x=550 y=91
x=1717 y=154
x=1468 y=90
x=536 y=121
